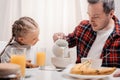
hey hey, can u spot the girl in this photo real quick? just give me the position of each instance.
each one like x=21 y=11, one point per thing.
x=25 y=34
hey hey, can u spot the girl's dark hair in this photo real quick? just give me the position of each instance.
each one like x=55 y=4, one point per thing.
x=20 y=28
x=108 y=5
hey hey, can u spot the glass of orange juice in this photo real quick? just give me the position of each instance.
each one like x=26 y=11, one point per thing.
x=41 y=57
x=18 y=57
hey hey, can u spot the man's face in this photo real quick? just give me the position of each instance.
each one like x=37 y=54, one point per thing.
x=98 y=18
x=30 y=38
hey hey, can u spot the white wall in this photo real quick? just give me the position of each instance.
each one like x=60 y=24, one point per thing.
x=117 y=8
x=84 y=10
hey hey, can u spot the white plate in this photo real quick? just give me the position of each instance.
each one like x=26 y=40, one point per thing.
x=28 y=69
x=29 y=72
x=86 y=76
x=46 y=68
x=66 y=73
x=27 y=75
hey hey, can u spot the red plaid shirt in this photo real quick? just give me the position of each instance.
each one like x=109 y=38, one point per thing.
x=83 y=37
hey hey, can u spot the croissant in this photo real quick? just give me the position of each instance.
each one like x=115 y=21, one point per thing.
x=85 y=69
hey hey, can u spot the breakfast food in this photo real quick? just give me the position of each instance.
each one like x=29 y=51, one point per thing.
x=85 y=69
x=30 y=65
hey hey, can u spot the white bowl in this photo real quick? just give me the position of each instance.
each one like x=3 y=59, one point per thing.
x=60 y=62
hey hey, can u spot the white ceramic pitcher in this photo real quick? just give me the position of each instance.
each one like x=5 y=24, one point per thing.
x=60 y=48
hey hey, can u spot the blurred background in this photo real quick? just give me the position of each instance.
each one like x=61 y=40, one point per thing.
x=51 y=15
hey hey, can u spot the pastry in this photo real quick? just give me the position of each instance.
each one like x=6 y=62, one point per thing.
x=85 y=69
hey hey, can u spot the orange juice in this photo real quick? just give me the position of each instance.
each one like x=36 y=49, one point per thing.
x=40 y=58
x=20 y=60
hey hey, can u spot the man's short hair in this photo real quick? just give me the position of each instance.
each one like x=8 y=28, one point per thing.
x=108 y=5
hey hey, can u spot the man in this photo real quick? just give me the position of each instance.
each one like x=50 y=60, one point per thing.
x=99 y=37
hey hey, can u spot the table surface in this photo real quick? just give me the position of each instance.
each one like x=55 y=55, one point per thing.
x=51 y=74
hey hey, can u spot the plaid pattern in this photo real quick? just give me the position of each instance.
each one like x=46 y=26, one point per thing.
x=83 y=37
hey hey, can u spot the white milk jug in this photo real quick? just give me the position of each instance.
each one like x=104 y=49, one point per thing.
x=60 y=48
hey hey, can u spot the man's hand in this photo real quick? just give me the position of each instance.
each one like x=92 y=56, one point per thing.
x=57 y=36
x=117 y=74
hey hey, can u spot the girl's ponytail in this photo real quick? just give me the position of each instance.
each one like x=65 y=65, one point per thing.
x=5 y=48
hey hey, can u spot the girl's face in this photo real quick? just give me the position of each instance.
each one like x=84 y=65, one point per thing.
x=30 y=38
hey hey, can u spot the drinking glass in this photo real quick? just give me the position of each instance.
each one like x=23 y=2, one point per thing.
x=41 y=57
x=18 y=57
